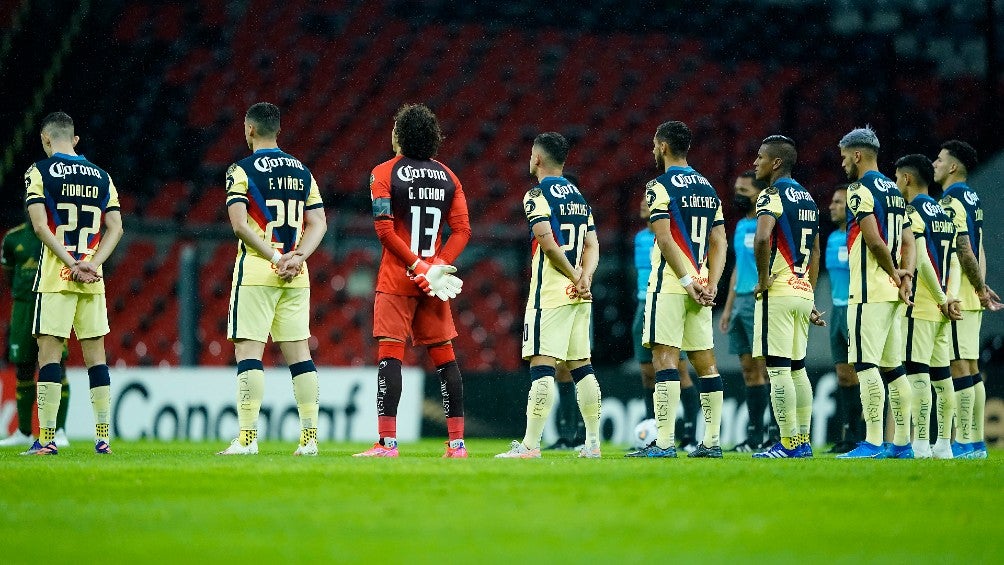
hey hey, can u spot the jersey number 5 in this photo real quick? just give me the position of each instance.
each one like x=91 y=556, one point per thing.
x=74 y=227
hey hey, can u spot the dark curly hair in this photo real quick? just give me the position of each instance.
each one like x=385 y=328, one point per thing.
x=418 y=132
x=677 y=135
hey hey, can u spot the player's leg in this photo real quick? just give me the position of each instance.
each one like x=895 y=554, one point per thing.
x=252 y=311
x=587 y=388
x=643 y=356
x=93 y=350
x=392 y=317
x=801 y=309
x=918 y=348
x=305 y=392
x=979 y=446
x=698 y=341
x=848 y=390
x=663 y=332
x=291 y=330
x=867 y=329
x=433 y=328
x=567 y=413
x=941 y=380
x=900 y=389
x=965 y=337
x=773 y=341
x=52 y=322
x=64 y=404
x=690 y=401
x=23 y=353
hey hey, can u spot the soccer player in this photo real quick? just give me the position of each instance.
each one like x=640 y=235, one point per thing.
x=412 y=195
x=881 y=246
x=565 y=252
x=848 y=393
x=644 y=242
x=737 y=315
x=21 y=250
x=686 y=216
x=69 y=200
x=276 y=212
x=787 y=261
x=951 y=169
x=926 y=325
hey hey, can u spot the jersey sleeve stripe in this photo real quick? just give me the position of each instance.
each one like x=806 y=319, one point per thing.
x=315 y=206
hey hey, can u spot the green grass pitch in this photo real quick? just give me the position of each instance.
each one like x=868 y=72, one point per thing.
x=177 y=502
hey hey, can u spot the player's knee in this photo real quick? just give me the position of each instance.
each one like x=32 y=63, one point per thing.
x=541 y=372
x=98 y=375
x=388 y=349
x=442 y=354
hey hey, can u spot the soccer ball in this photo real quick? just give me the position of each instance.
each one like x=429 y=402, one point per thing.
x=644 y=433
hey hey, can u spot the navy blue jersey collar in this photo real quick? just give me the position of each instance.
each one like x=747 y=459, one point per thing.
x=268 y=150
x=70 y=157
x=959 y=186
x=679 y=168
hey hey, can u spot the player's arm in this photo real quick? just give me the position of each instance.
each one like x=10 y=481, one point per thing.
x=971 y=268
x=589 y=261
x=926 y=273
x=718 y=248
x=761 y=250
x=815 y=317
x=876 y=245
x=988 y=298
x=907 y=263
x=953 y=308
x=460 y=226
x=238 y=213
x=551 y=249
x=110 y=239
x=315 y=224
x=675 y=259
x=730 y=298
x=40 y=224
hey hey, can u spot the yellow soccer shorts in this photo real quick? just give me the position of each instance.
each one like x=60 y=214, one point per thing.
x=875 y=333
x=59 y=313
x=256 y=312
x=781 y=326
x=677 y=321
x=966 y=335
x=927 y=342
x=561 y=333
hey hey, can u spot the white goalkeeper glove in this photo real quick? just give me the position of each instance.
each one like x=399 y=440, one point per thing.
x=436 y=279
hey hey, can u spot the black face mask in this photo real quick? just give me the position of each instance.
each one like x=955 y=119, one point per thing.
x=742 y=203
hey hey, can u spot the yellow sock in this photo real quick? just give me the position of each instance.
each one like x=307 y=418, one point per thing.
x=964 y=400
x=538 y=408
x=305 y=391
x=872 y=404
x=48 y=396
x=920 y=410
x=101 y=401
x=783 y=402
x=250 y=391
x=803 y=402
x=900 y=399
x=979 y=404
x=307 y=434
x=666 y=400
x=945 y=406
x=587 y=393
x=45 y=435
x=711 y=408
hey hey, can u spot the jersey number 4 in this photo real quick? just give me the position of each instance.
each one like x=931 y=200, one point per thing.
x=73 y=227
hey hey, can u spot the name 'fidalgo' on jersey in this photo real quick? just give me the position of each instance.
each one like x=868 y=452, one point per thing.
x=277 y=189
x=793 y=237
x=874 y=194
x=76 y=194
x=685 y=198
x=557 y=201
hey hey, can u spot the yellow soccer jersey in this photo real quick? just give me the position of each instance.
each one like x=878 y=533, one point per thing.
x=963 y=206
x=557 y=201
x=277 y=189
x=793 y=237
x=76 y=195
x=932 y=225
x=874 y=194
x=693 y=209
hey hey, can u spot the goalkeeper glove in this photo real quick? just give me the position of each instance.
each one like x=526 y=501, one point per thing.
x=436 y=279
